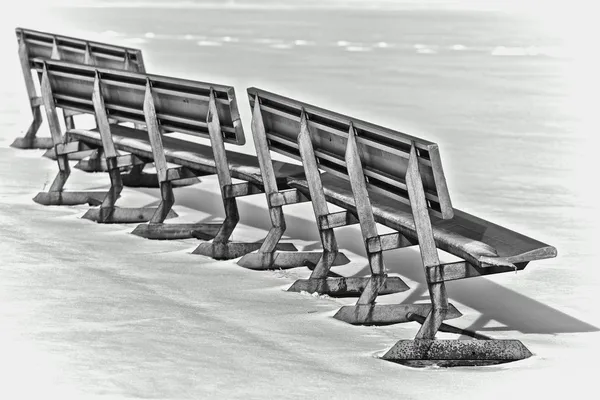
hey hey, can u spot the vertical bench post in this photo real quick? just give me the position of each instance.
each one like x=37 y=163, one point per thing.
x=29 y=140
x=55 y=132
x=108 y=212
x=221 y=247
x=319 y=203
x=429 y=255
x=319 y=281
x=267 y=256
x=156 y=228
x=56 y=195
x=158 y=152
x=366 y=219
x=366 y=312
x=425 y=349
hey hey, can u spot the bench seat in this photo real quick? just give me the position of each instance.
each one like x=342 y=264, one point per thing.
x=195 y=156
x=479 y=242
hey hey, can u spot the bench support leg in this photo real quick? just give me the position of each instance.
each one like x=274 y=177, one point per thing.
x=29 y=140
x=221 y=248
x=108 y=212
x=95 y=162
x=425 y=350
x=156 y=229
x=136 y=177
x=320 y=281
x=379 y=282
x=56 y=195
x=266 y=257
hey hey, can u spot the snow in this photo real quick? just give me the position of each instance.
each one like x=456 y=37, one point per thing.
x=90 y=311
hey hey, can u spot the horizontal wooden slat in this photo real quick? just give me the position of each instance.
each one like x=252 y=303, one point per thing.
x=383 y=152
x=181 y=105
x=40 y=44
x=337 y=220
x=286 y=197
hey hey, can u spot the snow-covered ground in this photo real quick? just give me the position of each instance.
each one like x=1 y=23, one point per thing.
x=91 y=311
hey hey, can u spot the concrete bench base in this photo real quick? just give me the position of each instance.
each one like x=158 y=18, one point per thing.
x=456 y=353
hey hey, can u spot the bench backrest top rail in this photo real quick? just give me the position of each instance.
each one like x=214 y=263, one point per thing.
x=181 y=104
x=41 y=44
x=384 y=152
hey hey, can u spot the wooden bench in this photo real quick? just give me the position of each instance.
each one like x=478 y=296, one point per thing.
x=384 y=176
x=43 y=45
x=192 y=109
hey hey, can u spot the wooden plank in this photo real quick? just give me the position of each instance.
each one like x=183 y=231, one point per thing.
x=28 y=140
x=179 y=173
x=51 y=114
x=359 y=190
x=88 y=58
x=220 y=248
x=128 y=160
x=102 y=119
x=80 y=51
x=286 y=197
x=384 y=152
x=37 y=101
x=387 y=242
x=463 y=270
x=262 y=150
x=429 y=255
x=337 y=220
x=386 y=314
x=154 y=134
x=55 y=131
x=331 y=118
x=440 y=182
x=311 y=169
x=70 y=147
x=26 y=70
x=240 y=189
x=55 y=53
x=345 y=286
x=217 y=144
x=180 y=105
x=466 y=236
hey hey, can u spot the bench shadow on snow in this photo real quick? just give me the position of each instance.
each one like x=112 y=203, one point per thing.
x=495 y=302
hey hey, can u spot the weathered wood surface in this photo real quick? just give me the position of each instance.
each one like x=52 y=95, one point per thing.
x=80 y=51
x=386 y=314
x=181 y=105
x=429 y=252
x=384 y=152
x=346 y=286
x=192 y=155
x=118 y=215
x=480 y=242
x=175 y=231
x=49 y=46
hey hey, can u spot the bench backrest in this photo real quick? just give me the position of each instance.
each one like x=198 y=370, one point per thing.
x=181 y=105
x=42 y=45
x=384 y=152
